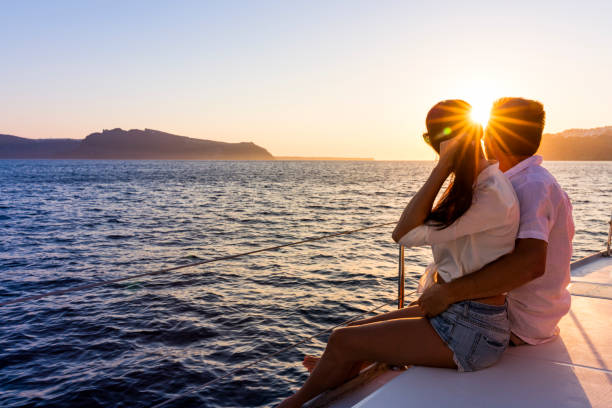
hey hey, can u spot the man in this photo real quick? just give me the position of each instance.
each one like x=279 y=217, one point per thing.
x=536 y=274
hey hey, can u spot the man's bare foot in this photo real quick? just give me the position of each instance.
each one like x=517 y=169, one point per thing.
x=310 y=362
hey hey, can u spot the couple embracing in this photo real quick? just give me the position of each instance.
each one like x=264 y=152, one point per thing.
x=501 y=236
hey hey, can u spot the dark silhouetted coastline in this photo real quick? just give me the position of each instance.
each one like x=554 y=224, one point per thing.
x=135 y=144
x=149 y=144
x=578 y=144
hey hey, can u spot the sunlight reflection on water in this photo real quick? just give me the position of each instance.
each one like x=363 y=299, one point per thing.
x=70 y=222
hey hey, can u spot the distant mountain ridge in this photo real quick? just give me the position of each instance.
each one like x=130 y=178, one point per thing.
x=578 y=144
x=571 y=144
x=13 y=147
x=130 y=144
x=598 y=131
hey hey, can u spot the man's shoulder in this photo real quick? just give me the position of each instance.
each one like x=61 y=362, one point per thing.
x=536 y=188
x=533 y=178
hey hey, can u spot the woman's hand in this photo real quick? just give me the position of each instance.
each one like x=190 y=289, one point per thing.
x=448 y=150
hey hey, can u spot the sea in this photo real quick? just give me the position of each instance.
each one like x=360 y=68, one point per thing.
x=159 y=339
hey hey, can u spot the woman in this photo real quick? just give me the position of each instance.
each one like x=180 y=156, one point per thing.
x=474 y=222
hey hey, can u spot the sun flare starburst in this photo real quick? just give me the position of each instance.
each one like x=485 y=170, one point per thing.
x=480 y=113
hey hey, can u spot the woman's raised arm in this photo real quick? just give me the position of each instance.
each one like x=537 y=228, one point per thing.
x=420 y=205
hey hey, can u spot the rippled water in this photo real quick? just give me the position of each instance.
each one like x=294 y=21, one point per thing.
x=135 y=344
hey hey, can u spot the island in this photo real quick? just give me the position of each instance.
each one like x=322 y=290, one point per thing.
x=147 y=144
x=578 y=144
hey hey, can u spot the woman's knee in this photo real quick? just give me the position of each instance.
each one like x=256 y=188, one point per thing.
x=336 y=337
x=356 y=323
x=338 y=342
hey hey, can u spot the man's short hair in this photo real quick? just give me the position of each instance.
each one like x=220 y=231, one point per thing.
x=516 y=124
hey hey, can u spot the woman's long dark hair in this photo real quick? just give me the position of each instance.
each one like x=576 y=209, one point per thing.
x=446 y=120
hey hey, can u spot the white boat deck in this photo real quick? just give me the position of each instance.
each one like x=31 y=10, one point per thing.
x=575 y=370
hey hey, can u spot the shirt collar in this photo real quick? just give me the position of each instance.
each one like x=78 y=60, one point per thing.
x=486 y=173
x=535 y=160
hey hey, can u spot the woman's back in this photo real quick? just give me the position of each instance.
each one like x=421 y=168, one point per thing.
x=485 y=232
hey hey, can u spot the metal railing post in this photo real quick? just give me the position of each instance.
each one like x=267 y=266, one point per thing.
x=401 y=278
x=609 y=237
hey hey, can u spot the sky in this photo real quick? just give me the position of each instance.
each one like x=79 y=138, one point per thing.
x=307 y=78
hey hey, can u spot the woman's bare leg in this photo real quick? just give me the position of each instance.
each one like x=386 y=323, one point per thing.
x=409 y=311
x=396 y=341
x=310 y=362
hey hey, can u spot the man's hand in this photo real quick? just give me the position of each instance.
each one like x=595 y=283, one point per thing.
x=434 y=300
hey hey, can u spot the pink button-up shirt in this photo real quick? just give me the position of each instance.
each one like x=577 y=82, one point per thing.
x=535 y=308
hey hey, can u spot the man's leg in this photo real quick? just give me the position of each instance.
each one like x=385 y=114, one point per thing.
x=516 y=340
x=406 y=312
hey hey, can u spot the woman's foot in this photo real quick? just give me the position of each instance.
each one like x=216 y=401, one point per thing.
x=310 y=362
x=288 y=403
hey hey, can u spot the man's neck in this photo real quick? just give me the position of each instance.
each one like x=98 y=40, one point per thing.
x=506 y=162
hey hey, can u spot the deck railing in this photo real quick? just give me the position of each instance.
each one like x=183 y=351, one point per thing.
x=401 y=278
x=608 y=250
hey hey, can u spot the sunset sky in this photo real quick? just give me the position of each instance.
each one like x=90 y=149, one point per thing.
x=329 y=78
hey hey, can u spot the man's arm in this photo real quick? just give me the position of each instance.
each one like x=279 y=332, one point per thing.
x=526 y=263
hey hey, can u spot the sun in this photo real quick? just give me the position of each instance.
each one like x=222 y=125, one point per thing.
x=480 y=113
x=480 y=91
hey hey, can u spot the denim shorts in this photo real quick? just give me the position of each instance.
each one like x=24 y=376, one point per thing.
x=476 y=333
